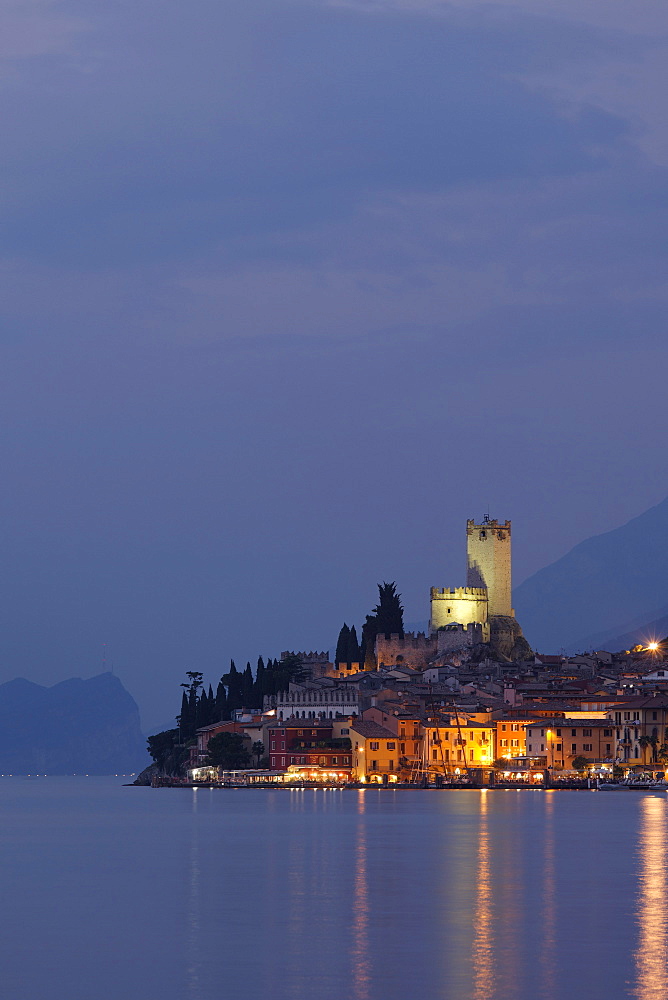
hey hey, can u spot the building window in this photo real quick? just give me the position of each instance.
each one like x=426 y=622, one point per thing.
x=530 y=747
x=314 y=732
x=300 y=732
x=374 y=745
x=586 y=732
x=273 y=744
x=528 y=732
x=374 y=765
x=607 y=732
x=654 y=714
x=503 y=729
x=434 y=754
x=542 y=746
x=558 y=747
x=402 y=748
x=574 y=747
x=391 y=765
x=542 y=732
x=447 y=754
x=515 y=728
x=587 y=747
x=558 y=732
x=514 y=743
x=504 y=743
x=574 y=732
x=391 y=746
x=282 y=761
x=608 y=748
x=335 y=760
x=345 y=760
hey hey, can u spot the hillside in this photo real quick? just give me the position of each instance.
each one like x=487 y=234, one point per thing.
x=76 y=727
x=608 y=585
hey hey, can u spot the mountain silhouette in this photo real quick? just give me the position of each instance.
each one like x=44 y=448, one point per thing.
x=76 y=727
x=613 y=585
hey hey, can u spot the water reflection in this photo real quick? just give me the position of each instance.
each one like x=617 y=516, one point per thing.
x=651 y=957
x=193 y=943
x=361 y=959
x=548 y=951
x=483 y=941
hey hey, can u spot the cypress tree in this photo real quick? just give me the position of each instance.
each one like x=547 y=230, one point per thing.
x=353 y=650
x=343 y=645
x=259 y=691
x=221 y=712
x=247 y=687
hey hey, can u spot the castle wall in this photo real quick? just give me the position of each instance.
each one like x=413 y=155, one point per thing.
x=413 y=650
x=458 y=637
x=461 y=605
x=488 y=551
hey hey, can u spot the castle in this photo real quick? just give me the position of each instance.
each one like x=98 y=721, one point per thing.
x=481 y=613
x=488 y=590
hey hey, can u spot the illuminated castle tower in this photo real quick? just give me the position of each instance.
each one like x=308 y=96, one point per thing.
x=486 y=600
x=489 y=564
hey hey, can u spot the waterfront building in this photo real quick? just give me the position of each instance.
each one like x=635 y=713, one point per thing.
x=641 y=728
x=456 y=742
x=296 y=745
x=561 y=740
x=375 y=752
x=511 y=737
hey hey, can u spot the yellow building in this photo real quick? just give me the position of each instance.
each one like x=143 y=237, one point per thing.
x=511 y=737
x=375 y=753
x=450 y=746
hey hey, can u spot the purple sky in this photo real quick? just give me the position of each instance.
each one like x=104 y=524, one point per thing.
x=291 y=289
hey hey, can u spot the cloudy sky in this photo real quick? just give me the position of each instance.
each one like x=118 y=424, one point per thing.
x=291 y=288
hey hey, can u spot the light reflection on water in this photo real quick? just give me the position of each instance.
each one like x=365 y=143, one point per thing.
x=652 y=952
x=483 y=939
x=366 y=894
x=361 y=959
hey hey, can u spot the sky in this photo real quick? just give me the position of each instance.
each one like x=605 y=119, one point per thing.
x=292 y=288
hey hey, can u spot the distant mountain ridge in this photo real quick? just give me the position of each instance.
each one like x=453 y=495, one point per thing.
x=605 y=591
x=75 y=727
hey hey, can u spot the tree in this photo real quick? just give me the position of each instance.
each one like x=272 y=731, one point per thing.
x=257 y=750
x=342 y=645
x=167 y=752
x=644 y=742
x=389 y=611
x=386 y=619
x=289 y=669
x=227 y=750
x=581 y=763
x=247 y=686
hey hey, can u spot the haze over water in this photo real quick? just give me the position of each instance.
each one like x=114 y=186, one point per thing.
x=112 y=892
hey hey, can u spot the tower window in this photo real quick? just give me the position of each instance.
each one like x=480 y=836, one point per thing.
x=483 y=534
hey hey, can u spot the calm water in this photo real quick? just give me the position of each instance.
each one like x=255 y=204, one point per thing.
x=113 y=893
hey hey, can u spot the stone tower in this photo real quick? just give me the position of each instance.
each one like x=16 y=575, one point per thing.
x=489 y=563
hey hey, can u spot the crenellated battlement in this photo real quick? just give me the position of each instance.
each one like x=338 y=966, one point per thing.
x=411 y=650
x=460 y=593
x=313 y=655
x=488 y=525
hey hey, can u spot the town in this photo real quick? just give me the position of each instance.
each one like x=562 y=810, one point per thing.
x=465 y=703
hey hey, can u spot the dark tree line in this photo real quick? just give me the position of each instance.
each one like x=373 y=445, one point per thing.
x=200 y=706
x=385 y=619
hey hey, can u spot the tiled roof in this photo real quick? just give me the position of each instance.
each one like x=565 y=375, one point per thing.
x=372 y=729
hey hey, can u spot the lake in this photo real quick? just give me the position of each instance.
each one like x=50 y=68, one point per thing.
x=115 y=893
